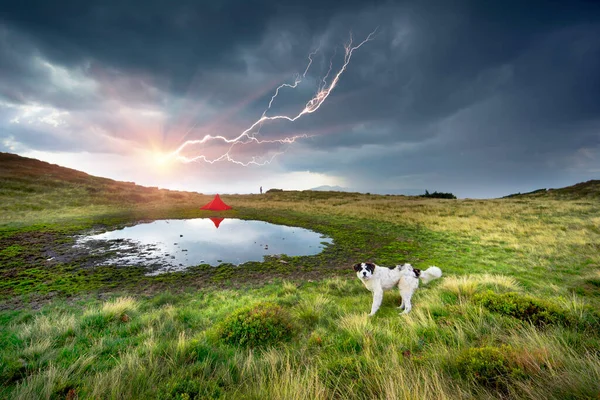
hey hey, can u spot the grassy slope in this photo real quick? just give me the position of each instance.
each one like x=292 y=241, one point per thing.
x=33 y=191
x=114 y=333
x=589 y=189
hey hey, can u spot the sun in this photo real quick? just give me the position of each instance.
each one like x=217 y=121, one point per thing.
x=158 y=159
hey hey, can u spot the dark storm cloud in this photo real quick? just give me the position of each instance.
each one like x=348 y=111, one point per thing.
x=494 y=96
x=167 y=38
x=428 y=63
x=464 y=93
x=455 y=60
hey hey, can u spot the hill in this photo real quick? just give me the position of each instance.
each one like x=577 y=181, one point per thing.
x=584 y=189
x=27 y=184
x=588 y=189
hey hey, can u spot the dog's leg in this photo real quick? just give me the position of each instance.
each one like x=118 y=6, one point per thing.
x=401 y=299
x=406 y=297
x=377 y=299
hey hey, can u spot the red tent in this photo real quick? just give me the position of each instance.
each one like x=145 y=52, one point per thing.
x=216 y=205
x=216 y=221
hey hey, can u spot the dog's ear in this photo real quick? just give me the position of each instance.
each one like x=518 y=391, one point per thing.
x=417 y=272
x=357 y=267
x=370 y=267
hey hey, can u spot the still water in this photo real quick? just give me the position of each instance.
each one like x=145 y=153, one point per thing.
x=176 y=244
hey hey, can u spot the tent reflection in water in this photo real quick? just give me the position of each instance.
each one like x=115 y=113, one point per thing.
x=217 y=221
x=216 y=205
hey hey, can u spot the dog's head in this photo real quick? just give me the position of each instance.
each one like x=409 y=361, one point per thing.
x=364 y=270
x=409 y=268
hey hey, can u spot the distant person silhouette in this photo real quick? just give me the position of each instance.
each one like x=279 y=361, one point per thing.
x=261 y=190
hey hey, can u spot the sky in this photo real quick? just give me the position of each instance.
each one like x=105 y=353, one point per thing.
x=478 y=98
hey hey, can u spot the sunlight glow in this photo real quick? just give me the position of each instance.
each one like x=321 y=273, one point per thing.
x=160 y=158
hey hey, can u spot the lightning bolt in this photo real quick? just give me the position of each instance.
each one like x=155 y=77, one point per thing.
x=248 y=136
x=297 y=80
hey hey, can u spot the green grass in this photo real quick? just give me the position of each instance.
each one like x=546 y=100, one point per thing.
x=514 y=316
x=128 y=347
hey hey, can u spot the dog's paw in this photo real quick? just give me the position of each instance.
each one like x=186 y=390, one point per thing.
x=370 y=315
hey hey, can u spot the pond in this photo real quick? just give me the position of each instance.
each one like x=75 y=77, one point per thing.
x=176 y=244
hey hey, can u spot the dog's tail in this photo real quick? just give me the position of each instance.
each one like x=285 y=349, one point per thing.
x=430 y=274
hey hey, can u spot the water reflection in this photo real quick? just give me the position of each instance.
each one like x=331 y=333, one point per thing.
x=172 y=245
x=217 y=221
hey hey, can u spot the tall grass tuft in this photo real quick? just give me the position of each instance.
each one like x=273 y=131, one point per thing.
x=44 y=326
x=289 y=287
x=311 y=310
x=118 y=308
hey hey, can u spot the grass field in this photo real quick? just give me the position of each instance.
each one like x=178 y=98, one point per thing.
x=516 y=314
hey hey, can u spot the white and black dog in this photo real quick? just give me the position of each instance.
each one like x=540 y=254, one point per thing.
x=405 y=277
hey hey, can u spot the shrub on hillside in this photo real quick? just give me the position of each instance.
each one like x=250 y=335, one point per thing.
x=274 y=190
x=488 y=366
x=438 y=195
x=525 y=308
x=263 y=324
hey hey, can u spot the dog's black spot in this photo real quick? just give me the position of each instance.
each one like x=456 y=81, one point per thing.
x=370 y=267
x=417 y=272
x=357 y=267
